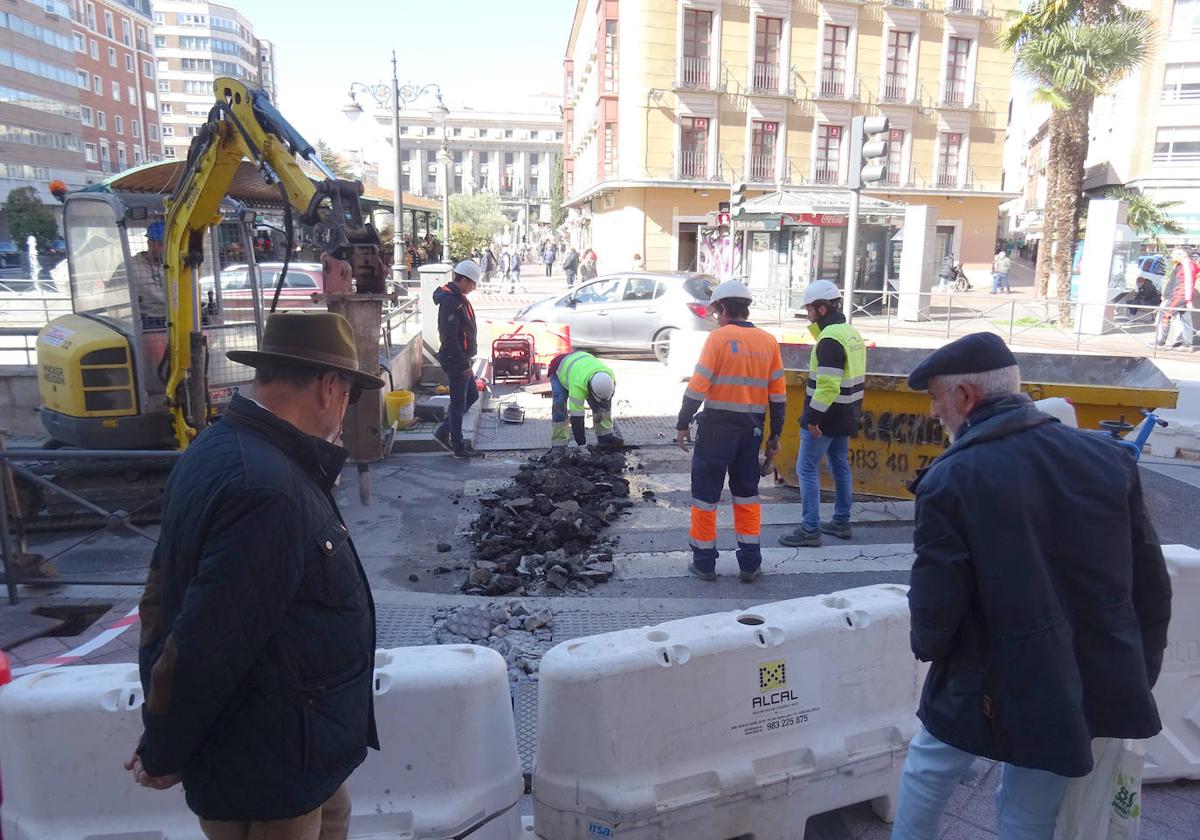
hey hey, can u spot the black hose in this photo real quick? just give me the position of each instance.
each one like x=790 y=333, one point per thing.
x=287 y=252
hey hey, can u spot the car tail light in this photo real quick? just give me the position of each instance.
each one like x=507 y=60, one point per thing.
x=700 y=310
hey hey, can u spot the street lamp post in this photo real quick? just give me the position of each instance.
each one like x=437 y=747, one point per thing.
x=439 y=118
x=396 y=95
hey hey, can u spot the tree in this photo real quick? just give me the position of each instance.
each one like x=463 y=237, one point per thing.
x=336 y=163
x=480 y=216
x=558 y=213
x=27 y=215
x=1074 y=52
x=1149 y=218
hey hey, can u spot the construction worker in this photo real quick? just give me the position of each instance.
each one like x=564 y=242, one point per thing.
x=458 y=333
x=578 y=379
x=837 y=369
x=739 y=378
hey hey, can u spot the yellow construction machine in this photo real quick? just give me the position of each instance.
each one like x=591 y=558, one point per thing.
x=133 y=366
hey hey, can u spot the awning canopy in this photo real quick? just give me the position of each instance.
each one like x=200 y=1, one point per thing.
x=815 y=201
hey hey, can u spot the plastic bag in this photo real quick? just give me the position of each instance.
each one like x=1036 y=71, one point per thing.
x=1106 y=804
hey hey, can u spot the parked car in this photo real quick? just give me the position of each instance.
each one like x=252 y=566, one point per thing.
x=56 y=248
x=304 y=279
x=632 y=311
x=10 y=254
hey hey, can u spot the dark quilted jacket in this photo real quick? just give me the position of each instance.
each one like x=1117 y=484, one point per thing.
x=258 y=627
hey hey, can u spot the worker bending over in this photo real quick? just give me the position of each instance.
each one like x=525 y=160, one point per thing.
x=739 y=378
x=578 y=379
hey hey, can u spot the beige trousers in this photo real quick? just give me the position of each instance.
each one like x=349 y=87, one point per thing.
x=329 y=822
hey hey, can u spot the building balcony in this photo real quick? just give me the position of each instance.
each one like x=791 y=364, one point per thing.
x=826 y=173
x=956 y=94
x=919 y=5
x=762 y=169
x=833 y=83
x=693 y=166
x=948 y=179
x=766 y=78
x=895 y=90
x=970 y=8
x=694 y=73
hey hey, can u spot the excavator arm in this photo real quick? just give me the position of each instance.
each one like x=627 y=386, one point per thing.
x=244 y=124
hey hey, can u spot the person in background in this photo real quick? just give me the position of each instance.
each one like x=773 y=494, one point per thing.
x=146 y=274
x=639 y=264
x=570 y=265
x=1039 y=595
x=514 y=273
x=1000 y=266
x=459 y=343
x=1178 y=297
x=549 y=255
x=587 y=266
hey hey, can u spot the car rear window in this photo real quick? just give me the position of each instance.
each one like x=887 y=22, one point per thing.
x=701 y=286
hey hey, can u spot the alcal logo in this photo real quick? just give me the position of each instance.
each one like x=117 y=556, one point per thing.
x=773 y=699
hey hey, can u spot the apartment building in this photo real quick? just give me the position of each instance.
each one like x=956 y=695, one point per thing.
x=115 y=72
x=195 y=43
x=41 y=136
x=1146 y=135
x=668 y=102
x=510 y=154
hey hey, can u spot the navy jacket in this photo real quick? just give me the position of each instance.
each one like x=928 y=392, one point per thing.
x=457 y=330
x=1039 y=592
x=258 y=627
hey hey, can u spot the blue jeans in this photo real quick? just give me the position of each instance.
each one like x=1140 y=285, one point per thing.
x=463 y=394
x=1000 y=281
x=808 y=469
x=1027 y=801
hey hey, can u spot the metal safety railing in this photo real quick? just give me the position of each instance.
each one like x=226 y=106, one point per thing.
x=18 y=346
x=15 y=520
x=32 y=310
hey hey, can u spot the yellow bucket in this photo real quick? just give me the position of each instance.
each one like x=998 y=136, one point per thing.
x=399 y=406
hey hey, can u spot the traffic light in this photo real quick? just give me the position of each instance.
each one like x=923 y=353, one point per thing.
x=737 y=197
x=868 y=151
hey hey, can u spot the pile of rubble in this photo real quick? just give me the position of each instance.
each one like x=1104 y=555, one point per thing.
x=515 y=631
x=543 y=533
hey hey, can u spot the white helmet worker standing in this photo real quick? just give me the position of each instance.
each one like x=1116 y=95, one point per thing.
x=730 y=289
x=820 y=290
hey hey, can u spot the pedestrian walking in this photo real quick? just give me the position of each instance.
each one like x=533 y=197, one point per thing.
x=577 y=380
x=837 y=371
x=549 y=255
x=1039 y=594
x=570 y=265
x=639 y=264
x=487 y=265
x=739 y=379
x=1178 y=298
x=258 y=625
x=588 y=268
x=1000 y=266
x=458 y=336
x=514 y=274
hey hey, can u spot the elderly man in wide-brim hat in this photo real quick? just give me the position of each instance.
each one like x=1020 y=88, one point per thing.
x=258 y=626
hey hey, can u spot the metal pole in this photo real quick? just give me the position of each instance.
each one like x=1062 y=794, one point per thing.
x=851 y=255
x=398 y=277
x=445 y=195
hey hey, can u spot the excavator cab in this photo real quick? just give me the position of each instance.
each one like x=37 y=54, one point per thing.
x=102 y=370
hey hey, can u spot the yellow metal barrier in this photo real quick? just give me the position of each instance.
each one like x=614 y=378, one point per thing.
x=896 y=436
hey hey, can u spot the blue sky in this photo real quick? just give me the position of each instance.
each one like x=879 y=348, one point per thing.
x=484 y=53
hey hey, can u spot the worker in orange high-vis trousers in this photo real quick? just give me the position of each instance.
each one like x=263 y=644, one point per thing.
x=739 y=379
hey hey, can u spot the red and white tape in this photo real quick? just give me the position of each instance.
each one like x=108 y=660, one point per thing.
x=90 y=646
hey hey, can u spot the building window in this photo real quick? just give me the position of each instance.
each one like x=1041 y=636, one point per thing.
x=85 y=116
x=834 y=51
x=152 y=130
x=895 y=82
x=105 y=159
x=101 y=121
x=112 y=57
x=1185 y=21
x=949 y=160
x=164 y=86
x=610 y=56
x=118 y=124
x=128 y=63
x=131 y=95
x=508 y=133
x=828 y=165
x=126 y=33
x=89 y=152
x=147 y=69
x=169 y=152
x=83 y=79
x=137 y=156
x=693 y=148
x=1181 y=83
x=135 y=129
x=160 y=41
x=697 y=41
x=610 y=150
x=108 y=25
x=958 y=52
x=895 y=158
x=405 y=157
x=80 y=42
x=768 y=33
x=98 y=85
x=94 y=49
x=122 y=161
x=142 y=43
x=151 y=101
x=116 y=91
x=762 y=150
x=168 y=131
x=1177 y=145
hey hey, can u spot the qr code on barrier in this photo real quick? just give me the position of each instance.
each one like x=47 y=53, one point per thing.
x=772 y=675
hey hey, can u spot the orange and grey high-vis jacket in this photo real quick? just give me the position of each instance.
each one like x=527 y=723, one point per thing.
x=456 y=328
x=739 y=378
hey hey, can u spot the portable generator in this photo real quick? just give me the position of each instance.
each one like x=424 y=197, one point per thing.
x=513 y=358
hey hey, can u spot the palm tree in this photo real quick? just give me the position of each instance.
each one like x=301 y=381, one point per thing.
x=1147 y=217
x=1074 y=52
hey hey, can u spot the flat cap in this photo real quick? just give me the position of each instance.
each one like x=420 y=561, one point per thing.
x=974 y=353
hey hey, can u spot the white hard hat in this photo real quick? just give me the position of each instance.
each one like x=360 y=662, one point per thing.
x=602 y=386
x=821 y=290
x=468 y=269
x=730 y=289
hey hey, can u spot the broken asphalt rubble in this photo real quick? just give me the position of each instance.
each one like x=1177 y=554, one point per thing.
x=519 y=632
x=539 y=535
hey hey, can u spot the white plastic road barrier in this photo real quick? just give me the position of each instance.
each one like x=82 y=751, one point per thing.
x=1174 y=753
x=449 y=759
x=684 y=353
x=449 y=765
x=740 y=724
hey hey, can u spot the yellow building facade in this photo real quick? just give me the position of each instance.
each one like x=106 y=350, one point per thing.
x=670 y=102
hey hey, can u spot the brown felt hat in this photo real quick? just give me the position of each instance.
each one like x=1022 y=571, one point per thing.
x=322 y=340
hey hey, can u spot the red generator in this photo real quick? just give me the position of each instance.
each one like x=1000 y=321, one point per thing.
x=513 y=358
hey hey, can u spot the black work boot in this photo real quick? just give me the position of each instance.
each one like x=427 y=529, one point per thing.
x=801 y=539
x=841 y=530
